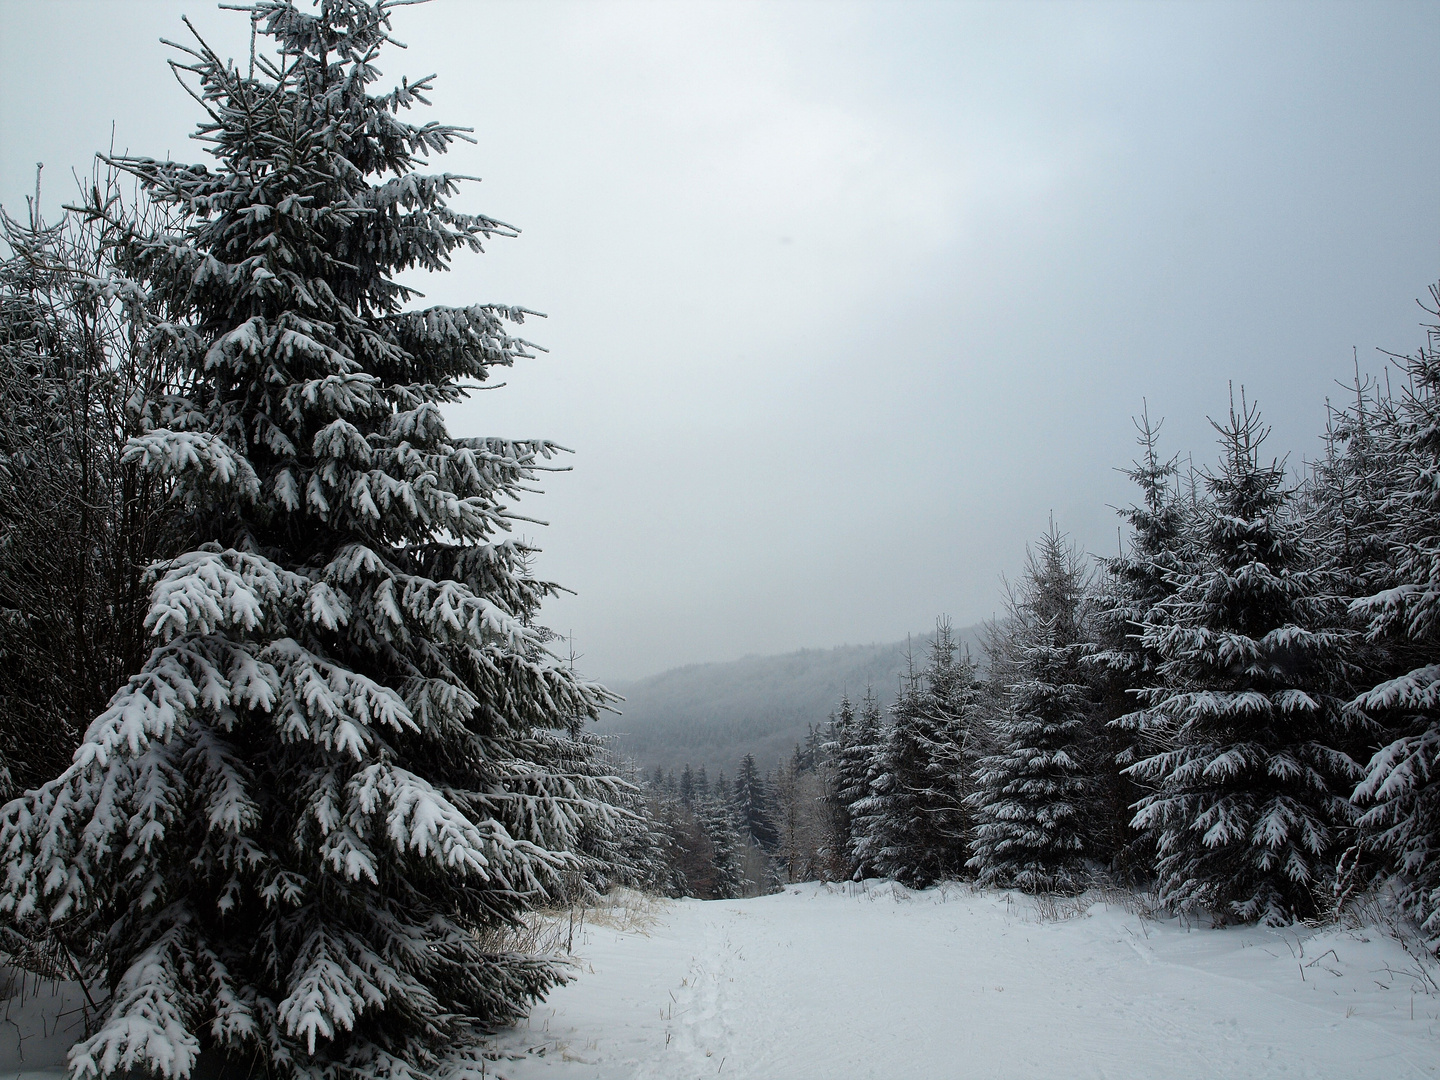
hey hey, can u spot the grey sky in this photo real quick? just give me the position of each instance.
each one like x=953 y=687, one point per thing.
x=845 y=298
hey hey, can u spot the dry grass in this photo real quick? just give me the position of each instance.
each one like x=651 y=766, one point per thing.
x=627 y=910
x=556 y=931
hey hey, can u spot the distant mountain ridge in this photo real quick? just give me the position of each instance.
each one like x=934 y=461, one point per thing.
x=714 y=714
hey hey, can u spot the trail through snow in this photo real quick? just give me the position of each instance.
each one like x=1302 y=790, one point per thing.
x=880 y=982
x=875 y=981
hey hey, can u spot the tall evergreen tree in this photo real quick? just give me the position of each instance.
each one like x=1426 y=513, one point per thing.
x=1143 y=574
x=839 y=732
x=294 y=829
x=752 y=802
x=1034 y=798
x=1129 y=594
x=860 y=766
x=1250 y=789
x=914 y=818
x=717 y=818
x=1400 y=789
x=635 y=851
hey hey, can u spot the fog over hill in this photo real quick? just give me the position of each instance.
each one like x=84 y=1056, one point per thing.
x=713 y=714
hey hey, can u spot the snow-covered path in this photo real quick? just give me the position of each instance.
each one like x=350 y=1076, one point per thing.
x=819 y=982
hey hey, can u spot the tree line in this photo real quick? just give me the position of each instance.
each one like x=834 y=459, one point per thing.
x=1238 y=710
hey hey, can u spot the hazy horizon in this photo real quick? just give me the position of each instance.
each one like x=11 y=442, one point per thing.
x=846 y=299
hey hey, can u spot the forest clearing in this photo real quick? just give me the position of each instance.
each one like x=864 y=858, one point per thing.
x=874 y=980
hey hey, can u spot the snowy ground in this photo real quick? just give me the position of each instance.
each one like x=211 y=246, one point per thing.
x=826 y=982
x=39 y=1021
x=822 y=982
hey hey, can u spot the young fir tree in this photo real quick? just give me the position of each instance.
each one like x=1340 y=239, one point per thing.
x=1129 y=594
x=1250 y=792
x=1143 y=575
x=839 y=730
x=914 y=817
x=717 y=818
x=1400 y=788
x=752 y=802
x=861 y=764
x=1354 y=491
x=634 y=851
x=334 y=779
x=1034 y=798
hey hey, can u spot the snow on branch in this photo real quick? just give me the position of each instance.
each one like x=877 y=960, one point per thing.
x=204 y=456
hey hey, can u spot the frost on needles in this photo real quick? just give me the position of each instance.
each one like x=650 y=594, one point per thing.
x=337 y=775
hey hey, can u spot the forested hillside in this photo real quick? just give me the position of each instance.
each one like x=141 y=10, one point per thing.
x=715 y=714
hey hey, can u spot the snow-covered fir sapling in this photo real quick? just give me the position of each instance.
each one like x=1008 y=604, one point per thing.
x=717 y=818
x=752 y=804
x=1251 y=783
x=859 y=766
x=913 y=825
x=1034 y=798
x=294 y=828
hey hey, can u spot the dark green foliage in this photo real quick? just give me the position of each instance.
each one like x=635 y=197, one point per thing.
x=1250 y=801
x=349 y=764
x=913 y=824
x=1034 y=798
x=753 y=805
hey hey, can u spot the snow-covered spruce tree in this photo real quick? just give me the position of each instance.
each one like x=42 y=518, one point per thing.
x=1034 y=798
x=859 y=765
x=717 y=818
x=619 y=845
x=1400 y=789
x=632 y=849
x=1139 y=578
x=752 y=803
x=915 y=821
x=331 y=781
x=1129 y=592
x=1250 y=794
x=1353 y=491
x=839 y=730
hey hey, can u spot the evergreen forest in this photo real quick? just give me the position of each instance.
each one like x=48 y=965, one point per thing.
x=288 y=756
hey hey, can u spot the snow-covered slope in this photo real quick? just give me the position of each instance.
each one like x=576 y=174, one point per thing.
x=829 y=983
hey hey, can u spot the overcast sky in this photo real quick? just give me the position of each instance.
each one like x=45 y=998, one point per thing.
x=845 y=299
